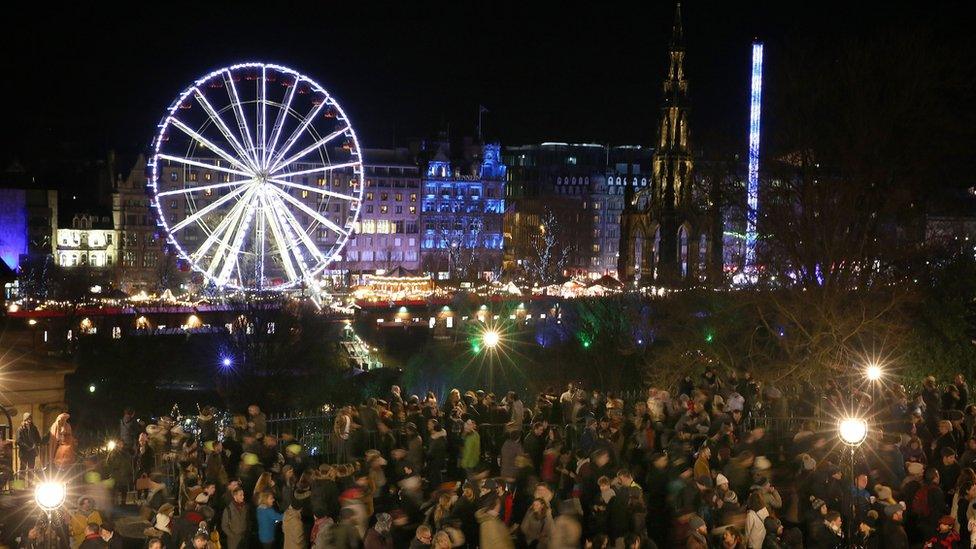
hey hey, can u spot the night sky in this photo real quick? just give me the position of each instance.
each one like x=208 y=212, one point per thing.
x=79 y=81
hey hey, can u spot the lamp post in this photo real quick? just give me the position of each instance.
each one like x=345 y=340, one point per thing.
x=852 y=431
x=49 y=497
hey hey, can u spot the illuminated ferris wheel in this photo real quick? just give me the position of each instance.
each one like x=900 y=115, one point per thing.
x=255 y=174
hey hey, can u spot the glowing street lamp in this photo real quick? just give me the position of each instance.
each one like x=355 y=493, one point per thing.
x=873 y=372
x=852 y=431
x=111 y=445
x=50 y=495
x=491 y=338
x=226 y=362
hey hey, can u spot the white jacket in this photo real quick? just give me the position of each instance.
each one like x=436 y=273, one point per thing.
x=755 y=529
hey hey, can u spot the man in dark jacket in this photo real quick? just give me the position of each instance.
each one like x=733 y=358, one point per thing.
x=92 y=538
x=129 y=429
x=111 y=539
x=893 y=535
x=28 y=441
x=234 y=522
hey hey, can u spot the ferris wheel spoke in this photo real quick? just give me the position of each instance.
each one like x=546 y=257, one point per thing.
x=197 y=163
x=207 y=209
x=298 y=156
x=202 y=188
x=238 y=108
x=222 y=227
x=297 y=228
x=297 y=133
x=221 y=125
x=208 y=144
x=262 y=117
x=314 y=214
x=231 y=260
x=321 y=169
x=224 y=237
x=279 y=122
x=290 y=231
x=311 y=189
x=280 y=242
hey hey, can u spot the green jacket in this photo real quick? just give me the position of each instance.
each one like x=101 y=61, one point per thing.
x=471 y=454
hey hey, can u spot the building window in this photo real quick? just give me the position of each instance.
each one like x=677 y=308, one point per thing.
x=193 y=176
x=369 y=208
x=173 y=176
x=413 y=197
x=369 y=196
x=399 y=197
x=413 y=209
x=384 y=209
x=398 y=209
x=207 y=176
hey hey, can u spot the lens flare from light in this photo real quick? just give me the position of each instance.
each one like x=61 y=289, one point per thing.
x=50 y=495
x=852 y=431
x=491 y=338
x=873 y=372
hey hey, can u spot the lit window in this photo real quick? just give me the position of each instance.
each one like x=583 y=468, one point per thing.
x=321 y=181
x=304 y=194
x=207 y=176
x=384 y=209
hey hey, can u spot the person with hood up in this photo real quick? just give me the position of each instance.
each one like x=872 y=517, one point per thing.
x=28 y=442
x=291 y=523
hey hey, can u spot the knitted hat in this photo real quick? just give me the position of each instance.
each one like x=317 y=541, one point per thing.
x=762 y=463
x=27 y=415
x=915 y=468
x=696 y=522
x=948 y=520
x=890 y=510
x=816 y=503
x=730 y=497
x=883 y=493
x=721 y=479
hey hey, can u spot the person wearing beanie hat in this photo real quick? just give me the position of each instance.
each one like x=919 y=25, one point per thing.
x=697 y=533
x=893 y=534
x=774 y=533
x=721 y=482
x=915 y=468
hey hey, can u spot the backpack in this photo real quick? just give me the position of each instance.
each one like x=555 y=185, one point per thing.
x=920 y=502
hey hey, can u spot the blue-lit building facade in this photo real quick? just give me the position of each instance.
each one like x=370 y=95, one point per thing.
x=462 y=210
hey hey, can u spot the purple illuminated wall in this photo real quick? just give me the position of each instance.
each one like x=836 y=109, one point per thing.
x=13 y=226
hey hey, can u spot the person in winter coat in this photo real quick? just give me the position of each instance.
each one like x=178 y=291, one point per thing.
x=80 y=519
x=492 y=531
x=893 y=535
x=567 y=529
x=511 y=449
x=946 y=537
x=755 y=533
x=829 y=534
x=234 y=521
x=92 y=539
x=28 y=442
x=774 y=533
x=471 y=452
x=436 y=452
x=697 y=533
x=268 y=518
x=292 y=526
x=378 y=537
x=537 y=525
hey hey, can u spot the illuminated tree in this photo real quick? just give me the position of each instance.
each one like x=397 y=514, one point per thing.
x=550 y=250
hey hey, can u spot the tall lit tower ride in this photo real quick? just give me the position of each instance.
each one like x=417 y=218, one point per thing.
x=752 y=193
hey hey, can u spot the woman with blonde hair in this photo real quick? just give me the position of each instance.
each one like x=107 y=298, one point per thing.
x=264 y=485
x=62 y=442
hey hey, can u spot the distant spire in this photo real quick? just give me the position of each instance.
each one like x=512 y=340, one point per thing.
x=677 y=34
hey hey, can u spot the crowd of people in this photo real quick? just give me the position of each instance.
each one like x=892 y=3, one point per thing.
x=719 y=461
